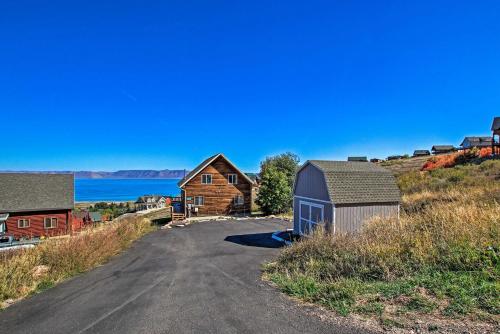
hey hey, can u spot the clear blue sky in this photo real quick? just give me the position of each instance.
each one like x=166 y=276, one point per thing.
x=110 y=85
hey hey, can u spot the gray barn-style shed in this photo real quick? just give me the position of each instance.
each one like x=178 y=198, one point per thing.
x=342 y=195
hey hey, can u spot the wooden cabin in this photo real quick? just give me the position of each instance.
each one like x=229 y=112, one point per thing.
x=442 y=149
x=216 y=187
x=479 y=142
x=421 y=153
x=36 y=205
x=341 y=196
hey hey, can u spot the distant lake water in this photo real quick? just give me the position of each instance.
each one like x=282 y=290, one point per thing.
x=114 y=190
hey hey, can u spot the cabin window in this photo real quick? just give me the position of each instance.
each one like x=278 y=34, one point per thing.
x=232 y=178
x=23 y=223
x=49 y=222
x=206 y=178
x=199 y=201
x=239 y=200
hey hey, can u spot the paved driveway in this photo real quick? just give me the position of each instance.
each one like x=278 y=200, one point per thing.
x=204 y=278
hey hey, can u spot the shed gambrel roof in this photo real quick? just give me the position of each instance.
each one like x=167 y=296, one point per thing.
x=351 y=182
x=22 y=192
x=204 y=164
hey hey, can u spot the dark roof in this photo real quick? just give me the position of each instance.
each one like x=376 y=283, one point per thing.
x=81 y=214
x=204 y=164
x=496 y=124
x=421 y=152
x=362 y=159
x=36 y=192
x=443 y=148
x=351 y=182
x=394 y=157
x=143 y=199
x=478 y=141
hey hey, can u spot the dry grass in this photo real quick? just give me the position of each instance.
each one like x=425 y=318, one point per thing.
x=442 y=256
x=26 y=271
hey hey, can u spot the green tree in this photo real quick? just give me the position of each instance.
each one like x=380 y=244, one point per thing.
x=287 y=163
x=275 y=193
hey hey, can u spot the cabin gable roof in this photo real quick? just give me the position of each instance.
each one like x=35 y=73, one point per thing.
x=206 y=163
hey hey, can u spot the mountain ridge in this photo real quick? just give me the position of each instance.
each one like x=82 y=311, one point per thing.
x=120 y=174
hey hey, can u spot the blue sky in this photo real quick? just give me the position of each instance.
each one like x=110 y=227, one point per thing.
x=141 y=84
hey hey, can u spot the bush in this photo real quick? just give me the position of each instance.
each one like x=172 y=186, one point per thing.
x=275 y=194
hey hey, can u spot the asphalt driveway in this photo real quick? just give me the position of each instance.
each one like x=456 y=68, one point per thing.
x=204 y=278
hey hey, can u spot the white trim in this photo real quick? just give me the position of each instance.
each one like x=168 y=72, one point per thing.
x=202 y=199
x=207 y=174
x=209 y=162
x=312 y=199
x=23 y=220
x=334 y=218
x=235 y=178
x=51 y=225
x=310 y=204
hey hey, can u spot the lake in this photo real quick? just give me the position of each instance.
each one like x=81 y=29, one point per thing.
x=114 y=190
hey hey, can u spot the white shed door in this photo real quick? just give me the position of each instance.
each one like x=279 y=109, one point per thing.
x=310 y=215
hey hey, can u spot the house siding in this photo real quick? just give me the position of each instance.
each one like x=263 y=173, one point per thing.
x=310 y=182
x=350 y=218
x=218 y=196
x=36 y=228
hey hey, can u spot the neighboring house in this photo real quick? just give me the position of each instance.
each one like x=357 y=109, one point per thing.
x=376 y=160
x=442 y=149
x=495 y=128
x=360 y=159
x=35 y=205
x=421 y=153
x=96 y=217
x=148 y=202
x=216 y=187
x=80 y=220
x=342 y=195
x=394 y=157
x=479 y=142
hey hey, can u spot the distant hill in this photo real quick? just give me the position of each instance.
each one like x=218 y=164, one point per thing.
x=121 y=174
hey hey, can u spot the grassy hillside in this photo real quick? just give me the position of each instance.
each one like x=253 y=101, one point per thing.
x=440 y=260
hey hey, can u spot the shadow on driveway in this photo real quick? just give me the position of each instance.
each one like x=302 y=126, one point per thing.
x=263 y=240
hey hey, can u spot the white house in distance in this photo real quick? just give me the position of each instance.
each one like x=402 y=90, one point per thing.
x=342 y=195
x=148 y=202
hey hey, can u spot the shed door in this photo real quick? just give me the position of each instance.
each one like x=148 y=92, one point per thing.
x=311 y=216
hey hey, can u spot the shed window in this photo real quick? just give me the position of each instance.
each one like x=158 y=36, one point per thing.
x=206 y=178
x=232 y=178
x=23 y=223
x=199 y=201
x=49 y=222
x=239 y=200
x=311 y=214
